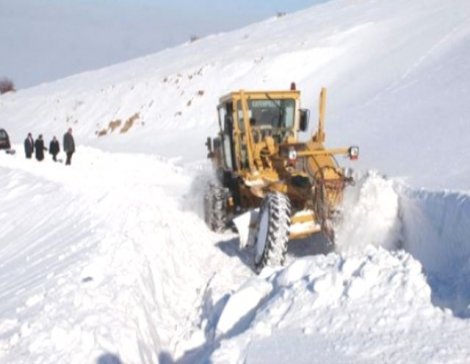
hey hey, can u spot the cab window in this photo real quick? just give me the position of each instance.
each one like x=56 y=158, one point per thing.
x=274 y=113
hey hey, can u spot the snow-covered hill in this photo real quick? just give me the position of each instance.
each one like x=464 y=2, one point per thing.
x=396 y=71
x=108 y=261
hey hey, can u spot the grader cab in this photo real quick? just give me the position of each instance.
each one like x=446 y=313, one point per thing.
x=270 y=184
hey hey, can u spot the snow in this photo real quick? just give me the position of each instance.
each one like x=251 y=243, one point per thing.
x=325 y=314
x=401 y=271
x=109 y=260
x=373 y=200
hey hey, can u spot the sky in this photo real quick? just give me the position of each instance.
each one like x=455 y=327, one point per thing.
x=44 y=40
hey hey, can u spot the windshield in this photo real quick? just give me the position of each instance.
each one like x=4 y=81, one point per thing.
x=276 y=113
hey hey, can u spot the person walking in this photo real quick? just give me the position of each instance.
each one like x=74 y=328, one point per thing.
x=69 y=146
x=54 y=148
x=39 y=148
x=29 y=146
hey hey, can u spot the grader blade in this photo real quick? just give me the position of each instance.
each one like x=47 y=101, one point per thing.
x=246 y=227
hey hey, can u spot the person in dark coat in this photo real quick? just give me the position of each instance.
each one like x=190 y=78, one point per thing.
x=54 y=148
x=39 y=148
x=29 y=146
x=69 y=146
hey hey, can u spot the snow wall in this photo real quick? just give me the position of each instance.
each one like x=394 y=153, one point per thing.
x=434 y=227
x=436 y=231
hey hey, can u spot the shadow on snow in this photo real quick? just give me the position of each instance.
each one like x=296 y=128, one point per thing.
x=436 y=232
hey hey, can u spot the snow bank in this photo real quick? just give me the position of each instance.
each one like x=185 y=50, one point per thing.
x=436 y=230
x=347 y=309
x=100 y=266
x=434 y=227
x=403 y=256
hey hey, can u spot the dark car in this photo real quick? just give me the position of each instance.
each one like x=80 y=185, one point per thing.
x=4 y=140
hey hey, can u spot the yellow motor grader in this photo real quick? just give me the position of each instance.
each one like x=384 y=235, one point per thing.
x=290 y=189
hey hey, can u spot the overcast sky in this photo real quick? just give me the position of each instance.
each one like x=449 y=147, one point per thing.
x=43 y=40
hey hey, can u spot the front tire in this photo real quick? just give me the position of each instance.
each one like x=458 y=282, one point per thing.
x=272 y=232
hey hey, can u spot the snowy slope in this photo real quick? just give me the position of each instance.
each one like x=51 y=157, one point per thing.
x=109 y=260
x=379 y=60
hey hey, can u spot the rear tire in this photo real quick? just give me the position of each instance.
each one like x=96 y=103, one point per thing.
x=215 y=208
x=272 y=232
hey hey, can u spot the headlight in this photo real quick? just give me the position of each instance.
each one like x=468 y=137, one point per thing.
x=292 y=155
x=353 y=152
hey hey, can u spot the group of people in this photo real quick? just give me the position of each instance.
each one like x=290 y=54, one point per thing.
x=37 y=147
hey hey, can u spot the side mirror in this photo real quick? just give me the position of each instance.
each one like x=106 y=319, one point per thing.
x=304 y=119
